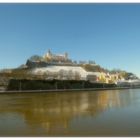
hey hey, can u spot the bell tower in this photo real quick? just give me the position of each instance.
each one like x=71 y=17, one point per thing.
x=48 y=53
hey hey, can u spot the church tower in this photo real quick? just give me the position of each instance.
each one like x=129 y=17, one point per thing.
x=48 y=55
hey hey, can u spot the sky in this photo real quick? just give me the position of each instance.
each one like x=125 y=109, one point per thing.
x=109 y=34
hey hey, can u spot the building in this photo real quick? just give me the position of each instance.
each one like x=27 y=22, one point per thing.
x=93 y=76
x=61 y=58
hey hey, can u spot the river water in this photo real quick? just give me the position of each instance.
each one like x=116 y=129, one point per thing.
x=86 y=113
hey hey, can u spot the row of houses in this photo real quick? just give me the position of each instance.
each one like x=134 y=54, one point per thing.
x=104 y=77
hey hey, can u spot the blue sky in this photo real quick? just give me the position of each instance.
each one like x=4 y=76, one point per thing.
x=106 y=33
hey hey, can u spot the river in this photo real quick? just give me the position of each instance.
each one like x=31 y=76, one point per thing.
x=86 y=113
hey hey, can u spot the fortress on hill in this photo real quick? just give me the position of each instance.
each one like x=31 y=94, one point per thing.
x=60 y=58
x=58 y=71
x=50 y=58
x=60 y=67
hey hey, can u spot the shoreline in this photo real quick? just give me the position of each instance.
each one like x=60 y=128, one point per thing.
x=66 y=90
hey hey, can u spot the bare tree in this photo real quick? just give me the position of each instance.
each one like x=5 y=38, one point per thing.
x=61 y=74
x=70 y=75
x=77 y=76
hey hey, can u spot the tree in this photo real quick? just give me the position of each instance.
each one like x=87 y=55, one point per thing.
x=70 y=75
x=77 y=76
x=61 y=74
x=36 y=58
x=91 y=62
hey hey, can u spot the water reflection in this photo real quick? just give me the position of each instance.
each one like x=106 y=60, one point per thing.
x=53 y=112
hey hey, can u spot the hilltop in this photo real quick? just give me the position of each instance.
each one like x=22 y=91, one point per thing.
x=52 y=72
x=61 y=67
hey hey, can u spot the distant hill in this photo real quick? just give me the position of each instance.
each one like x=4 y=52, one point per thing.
x=34 y=62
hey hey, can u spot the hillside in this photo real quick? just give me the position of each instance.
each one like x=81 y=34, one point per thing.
x=60 y=67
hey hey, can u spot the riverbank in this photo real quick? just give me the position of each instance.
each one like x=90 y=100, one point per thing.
x=67 y=90
x=43 y=86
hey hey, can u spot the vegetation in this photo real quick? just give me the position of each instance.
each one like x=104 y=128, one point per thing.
x=93 y=68
x=36 y=58
x=24 y=84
